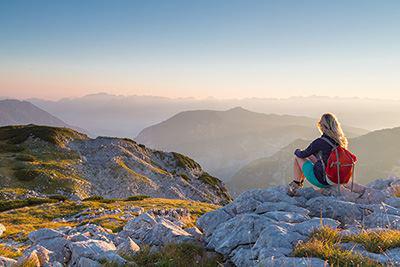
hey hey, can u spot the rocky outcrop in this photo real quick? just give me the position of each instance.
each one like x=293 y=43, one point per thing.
x=262 y=226
x=91 y=245
x=80 y=167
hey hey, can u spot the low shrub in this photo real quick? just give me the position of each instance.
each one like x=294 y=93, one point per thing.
x=136 y=198
x=58 y=197
x=93 y=198
x=100 y=199
x=20 y=203
x=26 y=174
x=25 y=157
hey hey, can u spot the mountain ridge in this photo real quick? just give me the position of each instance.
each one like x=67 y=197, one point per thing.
x=55 y=160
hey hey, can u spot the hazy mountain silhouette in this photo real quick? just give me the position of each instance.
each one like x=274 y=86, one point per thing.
x=13 y=112
x=224 y=141
x=377 y=152
x=126 y=116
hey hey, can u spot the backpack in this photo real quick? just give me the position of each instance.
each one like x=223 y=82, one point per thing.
x=340 y=166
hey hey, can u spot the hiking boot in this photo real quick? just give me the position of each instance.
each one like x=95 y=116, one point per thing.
x=293 y=187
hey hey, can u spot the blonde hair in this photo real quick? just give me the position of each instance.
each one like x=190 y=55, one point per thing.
x=329 y=125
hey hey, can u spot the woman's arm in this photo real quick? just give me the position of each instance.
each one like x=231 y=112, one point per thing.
x=310 y=150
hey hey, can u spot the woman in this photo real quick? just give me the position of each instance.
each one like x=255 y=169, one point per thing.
x=309 y=163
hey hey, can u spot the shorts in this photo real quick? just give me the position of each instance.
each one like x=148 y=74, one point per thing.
x=308 y=171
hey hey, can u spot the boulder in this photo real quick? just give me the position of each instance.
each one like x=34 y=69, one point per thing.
x=280 y=206
x=44 y=255
x=58 y=246
x=241 y=230
x=43 y=234
x=128 y=248
x=329 y=207
x=277 y=238
x=195 y=232
x=29 y=259
x=211 y=220
x=285 y=216
x=92 y=249
x=86 y=262
x=7 y=262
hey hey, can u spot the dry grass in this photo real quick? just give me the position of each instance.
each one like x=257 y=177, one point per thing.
x=9 y=252
x=396 y=190
x=177 y=255
x=376 y=241
x=20 y=222
x=323 y=244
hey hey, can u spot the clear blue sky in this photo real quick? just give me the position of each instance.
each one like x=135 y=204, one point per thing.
x=221 y=48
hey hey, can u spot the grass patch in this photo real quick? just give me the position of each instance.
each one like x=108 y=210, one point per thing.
x=137 y=198
x=20 y=222
x=208 y=179
x=9 y=252
x=376 y=241
x=323 y=244
x=54 y=135
x=177 y=255
x=26 y=174
x=185 y=162
x=20 y=203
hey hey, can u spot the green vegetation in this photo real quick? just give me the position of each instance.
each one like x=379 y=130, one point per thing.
x=323 y=244
x=54 y=135
x=376 y=241
x=184 y=162
x=45 y=165
x=208 y=179
x=20 y=203
x=9 y=252
x=26 y=174
x=20 y=222
x=136 y=198
x=177 y=255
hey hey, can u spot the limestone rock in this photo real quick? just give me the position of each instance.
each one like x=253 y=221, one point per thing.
x=128 y=248
x=7 y=262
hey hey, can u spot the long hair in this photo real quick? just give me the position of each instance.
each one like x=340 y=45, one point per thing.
x=329 y=125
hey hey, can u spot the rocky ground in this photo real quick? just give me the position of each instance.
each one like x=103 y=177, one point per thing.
x=263 y=227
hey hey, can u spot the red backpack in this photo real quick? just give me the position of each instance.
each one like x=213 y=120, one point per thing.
x=340 y=166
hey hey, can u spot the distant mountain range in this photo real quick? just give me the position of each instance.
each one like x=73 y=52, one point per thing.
x=224 y=141
x=377 y=152
x=126 y=116
x=52 y=160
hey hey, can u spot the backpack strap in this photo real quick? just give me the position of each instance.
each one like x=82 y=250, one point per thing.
x=329 y=142
x=334 y=147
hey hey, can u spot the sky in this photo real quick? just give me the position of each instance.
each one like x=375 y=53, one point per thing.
x=218 y=48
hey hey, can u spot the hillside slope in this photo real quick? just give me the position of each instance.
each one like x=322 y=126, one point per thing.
x=15 y=112
x=59 y=160
x=377 y=152
x=224 y=141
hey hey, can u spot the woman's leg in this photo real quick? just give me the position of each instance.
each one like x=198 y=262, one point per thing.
x=297 y=169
